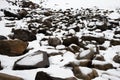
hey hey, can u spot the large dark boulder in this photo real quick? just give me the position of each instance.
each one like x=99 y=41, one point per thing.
x=24 y=35
x=102 y=65
x=4 y=76
x=71 y=40
x=37 y=60
x=3 y=37
x=12 y=47
x=116 y=58
x=21 y=14
x=10 y=14
x=99 y=40
x=87 y=54
x=81 y=73
x=114 y=42
x=0 y=66
x=54 y=41
x=44 y=76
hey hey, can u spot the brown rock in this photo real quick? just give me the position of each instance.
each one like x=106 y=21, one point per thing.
x=9 y=77
x=116 y=58
x=85 y=63
x=115 y=42
x=71 y=40
x=102 y=65
x=44 y=76
x=54 y=41
x=23 y=35
x=3 y=37
x=12 y=47
x=99 y=57
x=71 y=78
x=0 y=66
x=74 y=48
x=39 y=58
x=87 y=54
x=22 y=13
x=99 y=40
x=80 y=72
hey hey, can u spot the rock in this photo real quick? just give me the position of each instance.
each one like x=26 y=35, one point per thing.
x=23 y=35
x=116 y=58
x=102 y=65
x=71 y=78
x=29 y=4
x=44 y=76
x=85 y=73
x=85 y=63
x=3 y=37
x=12 y=24
x=99 y=57
x=115 y=42
x=0 y=18
x=12 y=47
x=10 y=14
x=71 y=40
x=99 y=40
x=54 y=41
x=73 y=48
x=0 y=66
x=4 y=76
x=87 y=54
x=37 y=60
x=22 y=13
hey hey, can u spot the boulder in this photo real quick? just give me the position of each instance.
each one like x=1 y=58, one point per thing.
x=10 y=14
x=24 y=35
x=99 y=40
x=71 y=78
x=12 y=47
x=87 y=54
x=0 y=66
x=85 y=73
x=29 y=4
x=114 y=42
x=99 y=57
x=116 y=58
x=44 y=76
x=71 y=40
x=38 y=59
x=22 y=13
x=54 y=41
x=3 y=37
x=102 y=65
x=85 y=63
x=4 y=76
x=73 y=48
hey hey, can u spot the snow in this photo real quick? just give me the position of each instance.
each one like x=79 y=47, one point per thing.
x=84 y=53
x=31 y=59
x=114 y=15
x=64 y=4
x=57 y=62
x=99 y=62
x=85 y=70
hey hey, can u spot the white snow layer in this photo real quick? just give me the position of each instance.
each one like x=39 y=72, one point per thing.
x=31 y=60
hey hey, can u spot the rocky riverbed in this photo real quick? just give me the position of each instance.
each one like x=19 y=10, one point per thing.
x=38 y=43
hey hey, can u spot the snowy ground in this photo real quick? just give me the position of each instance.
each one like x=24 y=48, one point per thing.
x=56 y=69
